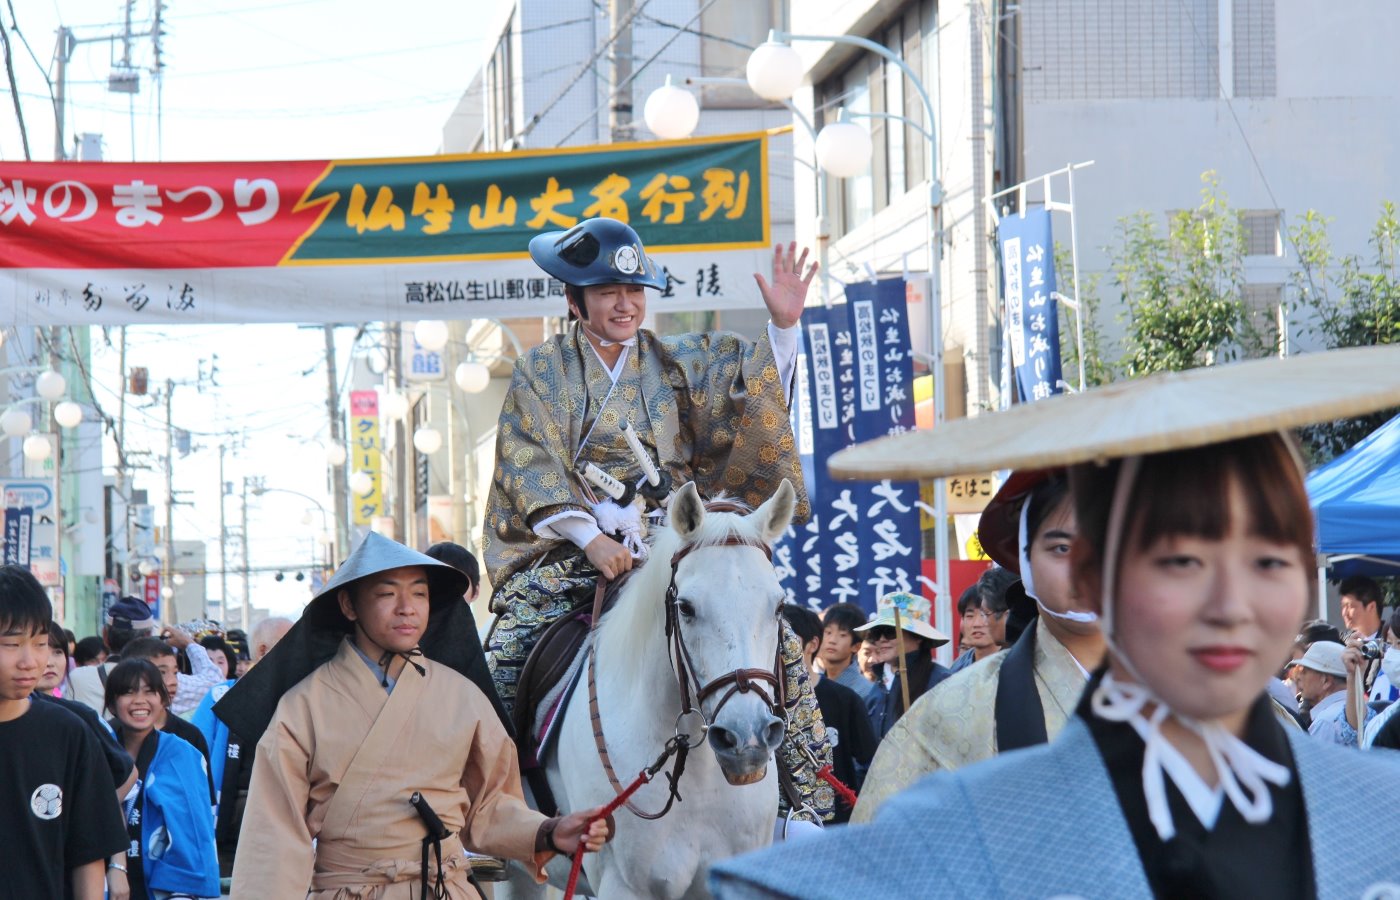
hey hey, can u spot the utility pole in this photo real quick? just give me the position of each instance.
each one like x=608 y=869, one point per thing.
x=124 y=525
x=169 y=567
x=620 y=71
x=403 y=459
x=223 y=538
x=339 y=488
x=62 y=52
x=247 y=588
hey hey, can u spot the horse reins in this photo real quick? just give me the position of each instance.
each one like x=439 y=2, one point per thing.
x=739 y=681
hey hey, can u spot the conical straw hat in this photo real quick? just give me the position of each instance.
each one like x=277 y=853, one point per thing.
x=1171 y=411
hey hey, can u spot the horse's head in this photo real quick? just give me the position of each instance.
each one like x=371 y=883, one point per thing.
x=726 y=606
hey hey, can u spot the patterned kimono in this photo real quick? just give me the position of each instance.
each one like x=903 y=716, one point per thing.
x=1046 y=822
x=954 y=725
x=708 y=408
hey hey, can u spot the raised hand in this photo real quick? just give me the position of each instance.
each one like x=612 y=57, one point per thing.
x=787 y=295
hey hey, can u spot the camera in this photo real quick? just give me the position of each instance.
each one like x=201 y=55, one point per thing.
x=1372 y=649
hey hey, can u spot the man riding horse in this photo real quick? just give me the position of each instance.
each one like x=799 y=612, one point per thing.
x=612 y=399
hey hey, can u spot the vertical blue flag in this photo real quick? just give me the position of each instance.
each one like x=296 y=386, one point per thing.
x=1028 y=286
x=888 y=541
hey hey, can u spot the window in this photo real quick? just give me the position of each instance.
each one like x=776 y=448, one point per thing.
x=870 y=88
x=500 y=94
x=1261 y=229
x=1261 y=309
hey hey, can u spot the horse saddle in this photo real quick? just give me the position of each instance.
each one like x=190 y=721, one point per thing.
x=550 y=671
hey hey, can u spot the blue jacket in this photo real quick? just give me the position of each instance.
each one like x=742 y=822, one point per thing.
x=1045 y=822
x=215 y=731
x=177 y=831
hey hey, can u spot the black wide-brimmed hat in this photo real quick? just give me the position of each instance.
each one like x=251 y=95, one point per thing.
x=597 y=251
x=450 y=638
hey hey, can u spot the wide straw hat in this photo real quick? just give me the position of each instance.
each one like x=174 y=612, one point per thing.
x=915 y=616
x=1171 y=411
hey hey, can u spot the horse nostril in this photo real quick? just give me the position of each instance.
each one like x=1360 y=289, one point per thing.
x=724 y=740
x=774 y=733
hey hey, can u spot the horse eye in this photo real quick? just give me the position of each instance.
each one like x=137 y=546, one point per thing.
x=686 y=608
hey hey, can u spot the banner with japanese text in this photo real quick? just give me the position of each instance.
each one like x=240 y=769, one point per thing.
x=365 y=448
x=889 y=540
x=365 y=240
x=863 y=540
x=1028 y=286
x=31 y=528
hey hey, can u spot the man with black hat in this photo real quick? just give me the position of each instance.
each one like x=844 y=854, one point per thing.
x=383 y=759
x=127 y=619
x=708 y=408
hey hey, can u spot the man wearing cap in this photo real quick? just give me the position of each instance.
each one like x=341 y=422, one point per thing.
x=363 y=786
x=708 y=408
x=1331 y=695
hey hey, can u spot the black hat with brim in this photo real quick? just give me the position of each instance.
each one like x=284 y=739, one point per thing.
x=450 y=638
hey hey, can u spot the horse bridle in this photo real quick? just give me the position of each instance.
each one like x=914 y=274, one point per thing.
x=738 y=681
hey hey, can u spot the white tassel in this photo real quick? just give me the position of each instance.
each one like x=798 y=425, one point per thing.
x=626 y=522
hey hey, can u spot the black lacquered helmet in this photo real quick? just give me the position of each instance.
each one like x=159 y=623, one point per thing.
x=596 y=251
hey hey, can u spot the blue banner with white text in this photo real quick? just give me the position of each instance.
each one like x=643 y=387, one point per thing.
x=1028 y=288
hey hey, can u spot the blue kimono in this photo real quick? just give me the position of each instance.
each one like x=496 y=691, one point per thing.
x=169 y=810
x=1045 y=822
x=215 y=733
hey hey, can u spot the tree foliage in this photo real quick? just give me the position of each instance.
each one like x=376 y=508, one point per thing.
x=1356 y=304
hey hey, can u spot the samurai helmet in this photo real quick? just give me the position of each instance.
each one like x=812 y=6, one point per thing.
x=596 y=251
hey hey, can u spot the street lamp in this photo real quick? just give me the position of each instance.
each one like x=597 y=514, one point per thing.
x=427 y=439
x=671 y=112
x=361 y=483
x=16 y=422
x=335 y=455
x=431 y=334
x=68 y=414
x=843 y=147
x=472 y=377
x=770 y=68
x=393 y=405
x=50 y=385
x=37 y=447
x=326 y=535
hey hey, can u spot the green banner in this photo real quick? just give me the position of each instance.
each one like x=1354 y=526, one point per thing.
x=703 y=194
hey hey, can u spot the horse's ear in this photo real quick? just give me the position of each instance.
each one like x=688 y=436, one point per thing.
x=773 y=517
x=687 y=511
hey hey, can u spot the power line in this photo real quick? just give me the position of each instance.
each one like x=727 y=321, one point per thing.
x=583 y=70
x=593 y=116
x=14 y=88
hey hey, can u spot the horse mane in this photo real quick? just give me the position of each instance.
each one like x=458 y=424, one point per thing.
x=639 y=614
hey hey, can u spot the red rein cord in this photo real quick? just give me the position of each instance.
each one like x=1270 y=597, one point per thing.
x=608 y=810
x=847 y=795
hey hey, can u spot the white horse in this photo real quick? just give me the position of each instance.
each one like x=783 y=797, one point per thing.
x=727 y=601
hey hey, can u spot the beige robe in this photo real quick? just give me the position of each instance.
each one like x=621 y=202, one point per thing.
x=954 y=724
x=440 y=737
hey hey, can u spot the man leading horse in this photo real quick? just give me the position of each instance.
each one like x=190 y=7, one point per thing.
x=709 y=408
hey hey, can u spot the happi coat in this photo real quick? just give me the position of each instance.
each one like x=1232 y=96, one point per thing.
x=1045 y=822
x=337 y=766
x=954 y=724
x=709 y=408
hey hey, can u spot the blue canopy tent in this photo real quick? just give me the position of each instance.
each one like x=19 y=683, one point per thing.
x=1356 y=499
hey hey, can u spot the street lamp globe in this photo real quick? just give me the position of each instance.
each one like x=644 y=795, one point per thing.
x=774 y=70
x=431 y=334
x=472 y=377
x=361 y=483
x=393 y=405
x=167 y=592
x=147 y=567
x=671 y=112
x=68 y=414
x=427 y=439
x=16 y=423
x=335 y=455
x=843 y=149
x=177 y=579
x=50 y=385
x=37 y=447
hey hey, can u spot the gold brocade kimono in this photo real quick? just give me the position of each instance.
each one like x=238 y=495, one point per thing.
x=337 y=766
x=954 y=724
x=709 y=407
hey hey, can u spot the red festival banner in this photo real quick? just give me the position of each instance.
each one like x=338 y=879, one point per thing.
x=356 y=240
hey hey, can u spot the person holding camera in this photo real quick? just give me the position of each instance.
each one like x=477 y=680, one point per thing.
x=1330 y=683
x=1387 y=721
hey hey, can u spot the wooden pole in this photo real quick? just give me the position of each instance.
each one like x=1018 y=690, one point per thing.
x=899 y=649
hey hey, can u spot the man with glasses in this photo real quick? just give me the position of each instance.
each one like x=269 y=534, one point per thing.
x=983 y=609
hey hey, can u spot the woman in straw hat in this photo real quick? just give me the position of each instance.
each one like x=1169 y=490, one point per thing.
x=1174 y=778
x=1024 y=696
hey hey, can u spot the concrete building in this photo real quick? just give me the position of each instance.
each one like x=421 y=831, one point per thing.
x=1294 y=105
